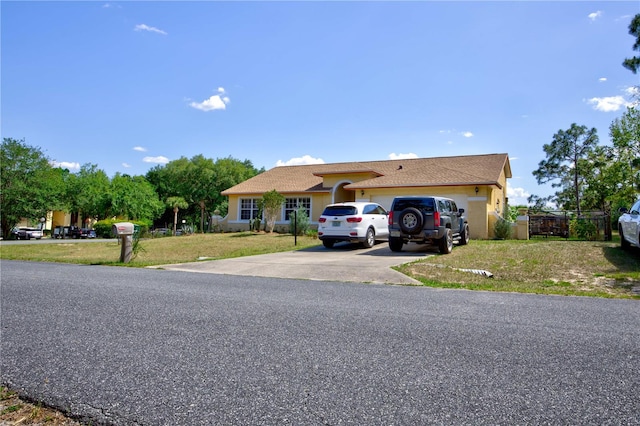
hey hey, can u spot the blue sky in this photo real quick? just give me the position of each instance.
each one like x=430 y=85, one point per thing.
x=129 y=85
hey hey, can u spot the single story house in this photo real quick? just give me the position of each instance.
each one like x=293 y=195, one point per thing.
x=477 y=183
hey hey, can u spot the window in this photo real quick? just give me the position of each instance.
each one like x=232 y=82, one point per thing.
x=373 y=209
x=340 y=211
x=292 y=203
x=248 y=208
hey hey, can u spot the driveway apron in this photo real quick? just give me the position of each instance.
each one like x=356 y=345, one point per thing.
x=345 y=262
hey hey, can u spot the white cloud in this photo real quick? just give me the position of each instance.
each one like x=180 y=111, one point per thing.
x=144 y=27
x=140 y=149
x=517 y=192
x=157 y=160
x=126 y=165
x=632 y=91
x=517 y=196
x=602 y=79
x=111 y=6
x=394 y=156
x=608 y=103
x=66 y=165
x=454 y=131
x=299 y=161
x=215 y=102
x=595 y=15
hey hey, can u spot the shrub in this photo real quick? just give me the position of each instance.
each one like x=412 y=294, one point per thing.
x=502 y=229
x=103 y=227
x=299 y=222
x=583 y=229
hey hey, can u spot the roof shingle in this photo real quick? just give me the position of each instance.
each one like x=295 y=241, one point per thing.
x=435 y=171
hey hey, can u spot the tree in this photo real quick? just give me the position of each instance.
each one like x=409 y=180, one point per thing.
x=88 y=192
x=633 y=63
x=176 y=203
x=271 y=203
x=200 y=181
x=625 y=137
x=565 y=162
x=29 y=185
x=134 y=198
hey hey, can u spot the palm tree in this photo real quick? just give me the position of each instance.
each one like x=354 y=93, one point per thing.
x=176 y=203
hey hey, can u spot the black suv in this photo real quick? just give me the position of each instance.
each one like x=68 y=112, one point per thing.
x=427 y=220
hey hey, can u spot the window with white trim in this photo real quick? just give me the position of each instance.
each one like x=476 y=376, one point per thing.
x=248 y=208
x=291 y=204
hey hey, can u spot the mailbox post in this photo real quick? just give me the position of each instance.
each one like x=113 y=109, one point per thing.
x=124 y=231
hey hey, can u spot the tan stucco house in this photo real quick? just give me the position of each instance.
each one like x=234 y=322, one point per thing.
x=478 y=183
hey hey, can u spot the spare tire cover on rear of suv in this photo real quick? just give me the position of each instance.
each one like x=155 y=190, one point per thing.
x=410 y=220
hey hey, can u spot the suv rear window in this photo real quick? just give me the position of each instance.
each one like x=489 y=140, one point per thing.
x=425 y=204
x=339 y=211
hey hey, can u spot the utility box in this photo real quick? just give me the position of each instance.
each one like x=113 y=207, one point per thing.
x=124 y=231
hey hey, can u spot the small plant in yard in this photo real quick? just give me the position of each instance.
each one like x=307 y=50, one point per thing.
x=583 y=229
x=502 y=229
x=299 y=221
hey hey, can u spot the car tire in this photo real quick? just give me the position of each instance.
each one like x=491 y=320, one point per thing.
x=410 y=220
x=464 y=235
x=446 y=242
x=623 y=242
x=369 y=238
x=395 y=244
x=328 y=243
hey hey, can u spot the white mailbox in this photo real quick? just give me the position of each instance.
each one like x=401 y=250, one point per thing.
x=122 y=228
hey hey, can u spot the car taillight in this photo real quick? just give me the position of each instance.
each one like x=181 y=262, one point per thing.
x=391 y=218
x=356 y=219
x=322 y=220
x=436 y=218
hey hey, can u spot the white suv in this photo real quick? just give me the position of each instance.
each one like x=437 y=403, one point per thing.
x=360 y=222
x=629 y=226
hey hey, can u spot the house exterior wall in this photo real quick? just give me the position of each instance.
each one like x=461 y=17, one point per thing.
x=60 y=218
x=477 y=205
x=329 y=181
x=234 y=223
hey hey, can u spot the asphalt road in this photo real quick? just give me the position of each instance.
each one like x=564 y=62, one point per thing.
x=129 y=346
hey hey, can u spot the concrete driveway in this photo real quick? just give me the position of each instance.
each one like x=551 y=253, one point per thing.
x=345 y=262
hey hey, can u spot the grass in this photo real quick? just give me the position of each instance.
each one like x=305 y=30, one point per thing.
x=576 y=268
x=15 y=411
x=542 y=266
x=158 y=251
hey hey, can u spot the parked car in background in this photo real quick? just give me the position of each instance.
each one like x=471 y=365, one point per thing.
x=28 y=233
x=427 y=220
x=356 y=222
x=61 y=232
x=82 y=233
x=73 y=232
x=629 y=226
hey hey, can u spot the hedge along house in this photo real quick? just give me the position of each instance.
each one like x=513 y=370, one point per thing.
x=477 y=183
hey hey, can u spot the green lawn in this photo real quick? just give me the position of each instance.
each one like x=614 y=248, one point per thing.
x=584 y=268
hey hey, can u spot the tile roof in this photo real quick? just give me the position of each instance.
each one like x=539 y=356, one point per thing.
x=435 y=171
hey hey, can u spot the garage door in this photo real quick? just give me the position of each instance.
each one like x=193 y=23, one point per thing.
x=384 y=201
